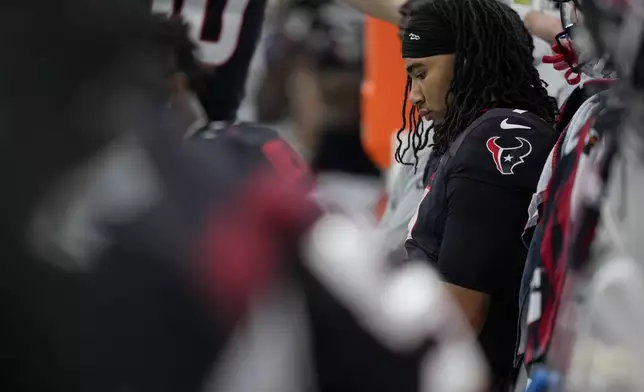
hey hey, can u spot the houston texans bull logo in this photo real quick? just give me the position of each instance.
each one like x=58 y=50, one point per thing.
x=506 y=158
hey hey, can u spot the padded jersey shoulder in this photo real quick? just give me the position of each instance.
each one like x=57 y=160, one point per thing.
x=246 y=135
x=238 y=145
x=504 y=147
x=254 y=145
x=250 y=134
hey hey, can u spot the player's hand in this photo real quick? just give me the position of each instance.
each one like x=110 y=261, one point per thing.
x=542 y=25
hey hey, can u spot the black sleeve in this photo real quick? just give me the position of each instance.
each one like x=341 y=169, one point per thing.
x=483 y=229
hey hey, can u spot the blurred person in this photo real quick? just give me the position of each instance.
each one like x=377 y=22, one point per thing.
x=81 y=83
x=105 y=285
x=226 y=45
x=185 y=81
x=578 y=107
x=542 y=25
x=605 y=261
x=492 y=122
x=227 y=32
x=179 y=259
x=583 y=302
x=314 y=56
x=553 y=209
x=566 y=58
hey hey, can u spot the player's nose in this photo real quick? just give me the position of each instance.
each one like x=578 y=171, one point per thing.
x=416 y=96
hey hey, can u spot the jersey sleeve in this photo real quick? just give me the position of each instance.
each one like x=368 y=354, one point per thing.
x=482 y=222
x=489 y=185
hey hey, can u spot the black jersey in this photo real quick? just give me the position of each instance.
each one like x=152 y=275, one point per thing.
x=470 y=220
x=227 y=32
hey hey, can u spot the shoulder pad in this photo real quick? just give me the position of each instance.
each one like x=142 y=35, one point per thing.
x=506 y=147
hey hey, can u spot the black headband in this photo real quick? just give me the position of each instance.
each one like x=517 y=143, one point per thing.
x=426 y=38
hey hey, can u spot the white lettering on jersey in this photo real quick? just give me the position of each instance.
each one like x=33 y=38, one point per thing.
x=534 y=307
x=194 y=12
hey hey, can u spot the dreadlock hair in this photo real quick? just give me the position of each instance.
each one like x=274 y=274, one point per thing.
x=174 y=35
x=493 y=67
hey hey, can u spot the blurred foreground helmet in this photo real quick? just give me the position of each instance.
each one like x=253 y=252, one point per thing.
x=586 y=57
x=606 y=276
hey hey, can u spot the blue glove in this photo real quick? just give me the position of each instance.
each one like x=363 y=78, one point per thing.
x=543 y=380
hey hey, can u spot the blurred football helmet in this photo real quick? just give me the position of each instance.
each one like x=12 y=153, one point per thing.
x=576 y=44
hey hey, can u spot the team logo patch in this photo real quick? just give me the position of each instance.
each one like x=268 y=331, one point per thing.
x=508 y=152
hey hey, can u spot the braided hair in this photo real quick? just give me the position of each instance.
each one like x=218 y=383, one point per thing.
x=493 y=67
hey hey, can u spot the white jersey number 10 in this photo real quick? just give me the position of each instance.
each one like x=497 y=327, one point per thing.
x=214 y=50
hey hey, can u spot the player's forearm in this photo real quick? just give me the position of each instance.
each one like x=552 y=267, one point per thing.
x=382 y=9
x=543 y=25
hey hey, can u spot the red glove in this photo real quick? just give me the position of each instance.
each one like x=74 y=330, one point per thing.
x=564 y=55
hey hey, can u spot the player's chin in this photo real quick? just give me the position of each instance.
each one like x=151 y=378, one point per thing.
x=435 y=117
